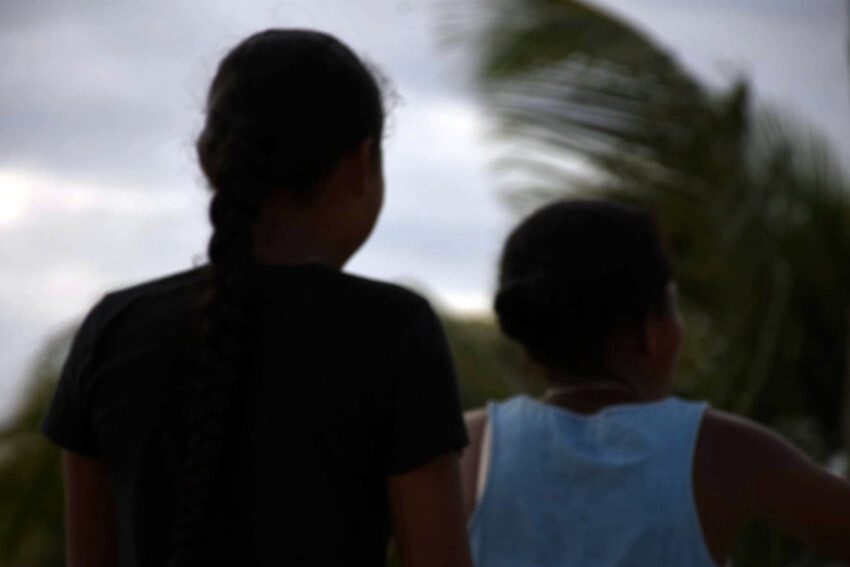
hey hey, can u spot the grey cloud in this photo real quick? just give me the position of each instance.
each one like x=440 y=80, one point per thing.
x=115 y=89
x=111 y=92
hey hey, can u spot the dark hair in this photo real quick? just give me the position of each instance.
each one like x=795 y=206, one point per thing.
x=572 y=274
x=284 y=107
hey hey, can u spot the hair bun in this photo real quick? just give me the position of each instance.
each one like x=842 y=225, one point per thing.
x=525 y=307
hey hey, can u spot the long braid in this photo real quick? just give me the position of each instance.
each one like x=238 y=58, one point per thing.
x=223 y=356
x=283 y=109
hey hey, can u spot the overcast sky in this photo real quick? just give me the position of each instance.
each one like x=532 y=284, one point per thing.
x=100 y=103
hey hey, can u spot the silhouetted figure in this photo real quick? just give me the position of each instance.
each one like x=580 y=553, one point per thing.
x=268 y=409
x=609 y=468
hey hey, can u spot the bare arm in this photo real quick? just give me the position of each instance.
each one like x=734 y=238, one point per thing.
x=427 y=515
x=780 y=484
x=800 y=498
x=90 y=538
x=471 y=457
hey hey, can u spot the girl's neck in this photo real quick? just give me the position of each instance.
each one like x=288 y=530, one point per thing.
x=296 y=241
x=589 y=394
x=589 y=397
x=326 y=228
x=296 y=256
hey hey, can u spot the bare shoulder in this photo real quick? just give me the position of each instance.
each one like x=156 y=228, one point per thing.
x=745 y=442
x=737 y=453
x=747 y=466
x=728 y=430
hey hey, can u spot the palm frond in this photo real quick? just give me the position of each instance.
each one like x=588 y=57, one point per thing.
x=755 y=206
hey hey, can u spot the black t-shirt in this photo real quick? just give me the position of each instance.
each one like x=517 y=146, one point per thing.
x=350 y=380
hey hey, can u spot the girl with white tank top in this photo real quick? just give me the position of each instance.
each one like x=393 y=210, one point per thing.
x=609 y=468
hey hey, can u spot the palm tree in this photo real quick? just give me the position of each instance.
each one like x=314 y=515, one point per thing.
x=755 y=206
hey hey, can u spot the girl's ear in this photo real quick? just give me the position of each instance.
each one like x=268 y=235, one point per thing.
x=351 y=175
x=362 y=165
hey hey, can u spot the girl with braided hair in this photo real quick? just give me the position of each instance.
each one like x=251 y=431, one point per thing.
x=267 y=408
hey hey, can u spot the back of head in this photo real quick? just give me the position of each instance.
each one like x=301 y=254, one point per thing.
x=574 y=273
x=284 y=108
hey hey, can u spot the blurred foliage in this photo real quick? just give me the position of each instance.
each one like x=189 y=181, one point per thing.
x=489 y=366
x=31 y=505
x=754 y=205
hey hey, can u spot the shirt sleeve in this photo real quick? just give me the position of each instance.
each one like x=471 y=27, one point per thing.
x=426 y=417
x=67 y=421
